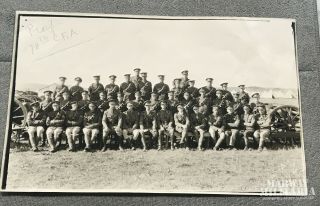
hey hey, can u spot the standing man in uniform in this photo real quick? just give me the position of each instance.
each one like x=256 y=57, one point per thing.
x=145 y=87
x=74 y=120
x=131 y=120
x=138 y=102
x=209 y=89
x=182 y=123
x=136 y=78
x=127 y=88
x=45 y=105
x=95 y=88
x=231 y=126
x=102 y=103
x=148 y=125
x=55 y=122
x=255 y=102
x=225 y=93
x=204 y=102
x=112 y=89
x=193 y=91
x=178 y=91
x=198 y=125
x=165 y=121
x=76 y=90
x=184 y=80
x=264 y=126
x=60 y=88
x=188 y=102
x=92 y=123
x=161 y=88
x=65 y=101
x=220 y=102
x=36 y=120
x=112 y=125
x=243 y=95
x=84 y=102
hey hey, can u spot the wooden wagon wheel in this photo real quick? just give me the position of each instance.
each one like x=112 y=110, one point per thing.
x=18 y=117
x=285 y=123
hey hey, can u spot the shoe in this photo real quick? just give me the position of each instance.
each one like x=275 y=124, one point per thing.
x=86 y=149
x=133 y=148
x=71 y=150
x=172 y=148
x=260 y=149
x=52 y=150
x=120 y=148
x=245 y=148
x=144 y=149
x=187 y=149
x=35 y=149
x=159 y=148
x=214 y=149
x=104 y=148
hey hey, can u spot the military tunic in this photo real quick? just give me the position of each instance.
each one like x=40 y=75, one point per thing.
x=148 y=120
x=128 y=90
x=65 y=105
x=94 y=91
x=36 y=118
x=122 y=106
x=131 y=119
x=164 y=118
x=138 y=105
x=178 y=93
x=155 y=105
x=198 y=120
x=74 y=118
x=227 y=95
x=46 y=106
x=180 y=119
x=231 y=121
x=75 y=93
x=145 y=88
x=245 y=96
x=215 y=121
x=112 y=90
x=172 y=105
x=184 y=84
x=58 y=117
x=188 y=105
x=135 y=80
x=57 y=92
x=210 y=92
x=161 y=89
x=193 y=91
x=83 y=105
x=248 y=119
x=92 y=119
x=102 y=105
x=112 y=117
x=238 y=108
x=221 y=103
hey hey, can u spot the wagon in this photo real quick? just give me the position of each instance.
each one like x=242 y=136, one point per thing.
x=20 y=108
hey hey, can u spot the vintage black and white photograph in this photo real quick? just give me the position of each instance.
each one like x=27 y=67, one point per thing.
x=149 y=104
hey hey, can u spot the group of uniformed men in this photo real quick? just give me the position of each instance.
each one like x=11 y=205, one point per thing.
x=136 y=112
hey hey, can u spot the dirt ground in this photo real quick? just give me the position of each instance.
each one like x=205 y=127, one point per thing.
x=175 y=171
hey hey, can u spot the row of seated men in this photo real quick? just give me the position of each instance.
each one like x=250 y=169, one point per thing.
x=135 y=120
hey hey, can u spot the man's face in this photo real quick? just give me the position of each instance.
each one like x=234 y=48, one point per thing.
x=102 y=96
x=196 y=110
x=215 y=110
x=163 y=106
x=242 y=89
x=224 y=87
x=65 y=96
x=136 y=72
x=74 y=107
x=137 y=96
x=256 y=98
x=78 y=83
x=130 y=107
x=120 y=98
x=112 y=105
x=148 y=107
x=161 y=79
x=230 y=110
x=180 y=109
x=177 y=83
x=127 y=78
x=236 y=98
x=186 y=96
x=96 y=80
x=191 y=84
x=170 y=95
x=154 y=96
x=47 y=95
x=92 y=107
x=55 y=107
x=185 y=75
x=61 y=81
x=84 y=96
x=219 y=95
x=209 y=83
x=36 y=108
x=261 y=110
x=246 y=109
x=112 y=80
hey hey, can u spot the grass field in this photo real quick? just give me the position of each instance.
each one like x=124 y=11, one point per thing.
x=175 y=171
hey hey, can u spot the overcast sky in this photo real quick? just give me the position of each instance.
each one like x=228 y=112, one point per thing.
x=256 y=53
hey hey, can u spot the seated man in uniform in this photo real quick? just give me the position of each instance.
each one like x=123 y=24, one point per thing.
x=248 y=121
x=131 y=125
x=74 y=120
x=92 y=123
x=112 y=125
x=264 y=126
x=148 y=124
x=215 y=122
x=55 y=122
x=181 y=121
x=198 y=125
x=231 y=126
x=165 y=120
x=36 y=120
